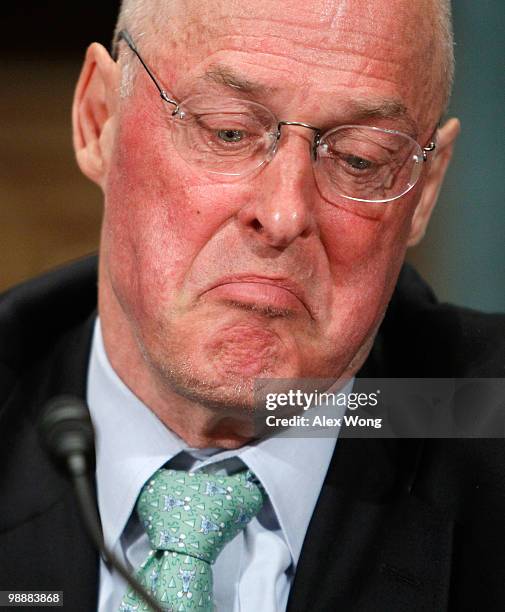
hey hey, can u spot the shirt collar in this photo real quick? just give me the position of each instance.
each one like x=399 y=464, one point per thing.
x=292 y=471
x=132 y=443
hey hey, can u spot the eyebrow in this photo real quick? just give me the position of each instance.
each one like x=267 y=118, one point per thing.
x=223 y=75
x=359 y=108
x=382 y=108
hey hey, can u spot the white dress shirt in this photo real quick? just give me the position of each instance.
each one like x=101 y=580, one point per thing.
x=255 y=570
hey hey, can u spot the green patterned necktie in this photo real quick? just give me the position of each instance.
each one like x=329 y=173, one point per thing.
x=189 y=517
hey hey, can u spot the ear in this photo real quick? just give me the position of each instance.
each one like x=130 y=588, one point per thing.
x=93 y=111
x=446 y=137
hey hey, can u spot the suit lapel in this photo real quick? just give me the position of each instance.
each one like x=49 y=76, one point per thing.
x=370 y=544
x=42 y=540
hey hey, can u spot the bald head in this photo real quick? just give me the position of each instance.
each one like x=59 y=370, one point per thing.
x=152 y=21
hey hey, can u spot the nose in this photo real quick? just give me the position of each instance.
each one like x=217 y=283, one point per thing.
x=281 y=207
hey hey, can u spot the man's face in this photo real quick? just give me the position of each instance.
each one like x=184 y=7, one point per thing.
x=223 y=281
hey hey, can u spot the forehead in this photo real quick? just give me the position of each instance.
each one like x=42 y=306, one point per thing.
x=327 y=49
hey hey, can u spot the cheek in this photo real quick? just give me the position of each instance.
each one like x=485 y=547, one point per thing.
x=159 y=213
x=145 y=187
x=361 y=248
x=365 y=254
x=147 y=235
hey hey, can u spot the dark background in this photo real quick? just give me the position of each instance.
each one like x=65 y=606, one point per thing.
x=55 y=29
x=49 y=213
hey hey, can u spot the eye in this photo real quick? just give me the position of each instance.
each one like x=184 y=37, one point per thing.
x=230 y=135
x=358 y=163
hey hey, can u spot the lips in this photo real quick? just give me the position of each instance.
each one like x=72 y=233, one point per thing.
x=261 y=291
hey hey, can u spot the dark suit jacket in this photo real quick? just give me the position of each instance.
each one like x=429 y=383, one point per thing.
x=400 y=525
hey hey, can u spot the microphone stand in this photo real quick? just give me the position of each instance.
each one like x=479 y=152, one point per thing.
x=67 y=433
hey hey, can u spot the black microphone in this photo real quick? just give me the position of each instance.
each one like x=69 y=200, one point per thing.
x=67 y=434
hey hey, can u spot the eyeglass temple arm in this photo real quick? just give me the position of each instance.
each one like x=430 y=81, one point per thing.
x=432 y=145
x=428 y=149
x=124 y=35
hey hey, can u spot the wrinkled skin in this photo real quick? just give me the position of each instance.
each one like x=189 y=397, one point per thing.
x=181 y=329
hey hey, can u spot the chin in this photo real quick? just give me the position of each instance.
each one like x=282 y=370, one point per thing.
x=223 y=381
x=231 y=396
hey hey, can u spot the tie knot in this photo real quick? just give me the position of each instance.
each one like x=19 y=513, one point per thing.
x=197 y=513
